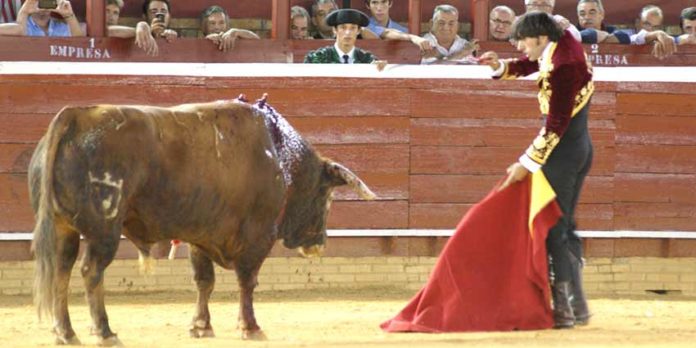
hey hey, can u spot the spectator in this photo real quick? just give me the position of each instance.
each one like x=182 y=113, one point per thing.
x=299 y=23
x=688 y=25
x=113 y=11
x=38 y=22
x=215 y=25
x=500 y=23
x=450 y=48
x=650 y=18
x=548 y=6
x=540 y=5
x=664 y=45
x=382 y=27
x=9 y=10
x=346 y=24
x=379 y=21
x=321 y=9
x=144 y=37
x=592 y=27
x=158 y=17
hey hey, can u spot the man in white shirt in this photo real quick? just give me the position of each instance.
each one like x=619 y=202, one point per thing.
x=450 y=48
x=650 y=24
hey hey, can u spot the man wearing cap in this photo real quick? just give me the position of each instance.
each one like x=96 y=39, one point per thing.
x=346 y=24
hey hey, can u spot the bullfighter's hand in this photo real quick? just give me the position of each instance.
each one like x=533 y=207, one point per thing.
x=144 y=39
x=563 y=22
x=491 y=59
x=516 y=172
x=381 y=64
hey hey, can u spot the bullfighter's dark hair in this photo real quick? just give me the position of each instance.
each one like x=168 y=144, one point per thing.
x=146 y=5
x=534 y=24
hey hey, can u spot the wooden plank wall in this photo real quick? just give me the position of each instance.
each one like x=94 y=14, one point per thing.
x=429 y=148
x=189 y=50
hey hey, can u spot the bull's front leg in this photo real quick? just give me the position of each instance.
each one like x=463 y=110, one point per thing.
x=247 y=277
x=204 y=275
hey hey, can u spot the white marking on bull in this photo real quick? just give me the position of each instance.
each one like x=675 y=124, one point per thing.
x=218 y=137
x=269 y=154
x=106 y=204
x=109 y=205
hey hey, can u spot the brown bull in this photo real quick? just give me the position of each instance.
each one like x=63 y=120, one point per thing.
x=227 y=177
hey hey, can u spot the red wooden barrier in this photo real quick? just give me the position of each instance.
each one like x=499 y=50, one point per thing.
x=429 y=148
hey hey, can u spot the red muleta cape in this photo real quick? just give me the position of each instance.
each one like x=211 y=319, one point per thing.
x=492 y=274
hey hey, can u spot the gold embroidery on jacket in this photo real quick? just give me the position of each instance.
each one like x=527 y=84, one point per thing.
x=545 y=91
x=506 y=73
x=542 y=146
x=545 y=69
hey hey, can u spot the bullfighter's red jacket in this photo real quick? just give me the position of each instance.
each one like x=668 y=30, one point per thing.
x=565 y=87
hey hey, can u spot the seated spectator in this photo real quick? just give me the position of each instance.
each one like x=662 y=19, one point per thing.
x=144 y=37
x=592 y=27
x=158 y=16
x=346 y=25
x=664 y=45
x=651 y=19
x=9 y=9
x=500 y=23
x=40 y=23
x=450 y=48
x=540 y=5
x=299 y=23
x=688 y=25
x=215 y=25
x=382 y=27
x=113 y=11
x=321 y=9
x=548 y=6
x=380 y=20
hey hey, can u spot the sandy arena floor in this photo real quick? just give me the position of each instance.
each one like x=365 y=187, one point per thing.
x=344 y=318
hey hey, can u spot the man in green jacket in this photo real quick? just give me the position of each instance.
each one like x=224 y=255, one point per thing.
x=346 y=24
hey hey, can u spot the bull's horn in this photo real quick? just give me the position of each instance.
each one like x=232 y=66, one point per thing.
x=353 y=181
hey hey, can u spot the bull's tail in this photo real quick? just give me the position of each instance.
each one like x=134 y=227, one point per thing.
x=44 y=243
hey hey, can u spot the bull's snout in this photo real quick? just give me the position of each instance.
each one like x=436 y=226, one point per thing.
x=312 y=251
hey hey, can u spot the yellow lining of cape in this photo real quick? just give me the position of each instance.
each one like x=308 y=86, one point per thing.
x=542 y=194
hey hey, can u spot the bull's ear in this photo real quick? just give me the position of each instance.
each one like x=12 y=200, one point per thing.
x=339 y=175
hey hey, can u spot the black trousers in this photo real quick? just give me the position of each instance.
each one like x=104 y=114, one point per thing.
x=566 y=170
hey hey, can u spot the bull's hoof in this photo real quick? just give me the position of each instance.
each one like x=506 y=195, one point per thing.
x=201 y=329
x=197 y=332
x=111 y=341
x=68 y=341
x=254 y=335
